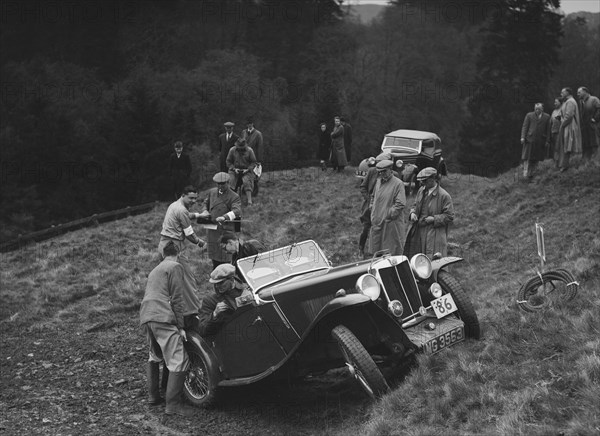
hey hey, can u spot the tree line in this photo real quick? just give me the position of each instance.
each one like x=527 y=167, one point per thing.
x=95 y=93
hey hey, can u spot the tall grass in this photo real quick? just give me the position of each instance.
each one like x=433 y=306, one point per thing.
x=532 y=373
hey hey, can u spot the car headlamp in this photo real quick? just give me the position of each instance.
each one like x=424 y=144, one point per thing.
x=435 y=290
x=421 y=266
x=368 y=285
x=395 y=308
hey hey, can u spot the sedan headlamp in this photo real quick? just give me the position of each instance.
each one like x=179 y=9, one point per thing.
x=368 y=285
x=421 y=266
x=435 y=290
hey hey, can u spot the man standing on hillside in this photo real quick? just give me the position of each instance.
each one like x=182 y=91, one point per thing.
x=241 y=163
x=223 y=206
x=338 y=152
x=254 y=140
x=162 y=316
x=387 y=211
x=535 y=137
x=590 y=121
x=430 y=215
x=180 y=169
x=569 y=136
x=366 y=189
x=176 y=228
x=226 y=141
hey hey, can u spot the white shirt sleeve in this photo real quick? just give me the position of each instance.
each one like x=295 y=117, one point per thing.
x=188 y=231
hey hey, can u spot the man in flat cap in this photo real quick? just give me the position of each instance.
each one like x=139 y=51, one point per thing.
x=241 y=162
x=430 y=215
x=162 y=317
x=224 y=206
x=387 y=210
x=366 y=189
x=217 y=307
x=226 y=141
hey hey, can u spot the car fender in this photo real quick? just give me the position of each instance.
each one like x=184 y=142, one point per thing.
x=194 y=339
x=439 y=264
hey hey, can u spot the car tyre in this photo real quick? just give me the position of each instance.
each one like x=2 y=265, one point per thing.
x=465 y=308
x=200 y=386
x=359 y=361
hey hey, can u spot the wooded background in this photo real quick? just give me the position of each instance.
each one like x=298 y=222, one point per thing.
x=94 y=93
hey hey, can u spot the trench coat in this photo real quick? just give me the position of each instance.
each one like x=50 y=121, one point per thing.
x=387 y=216
x=338 y=152
x=430 y=238
x=569 y=136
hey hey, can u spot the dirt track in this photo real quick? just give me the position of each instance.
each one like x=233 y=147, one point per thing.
x=91 y=380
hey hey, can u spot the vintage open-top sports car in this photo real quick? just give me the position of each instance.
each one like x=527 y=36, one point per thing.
x=304 y=316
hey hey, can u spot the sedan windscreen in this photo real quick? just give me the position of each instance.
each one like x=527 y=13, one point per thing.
x=392 y=141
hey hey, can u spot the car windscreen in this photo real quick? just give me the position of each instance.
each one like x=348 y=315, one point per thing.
x=394 y=141
x=274 y=265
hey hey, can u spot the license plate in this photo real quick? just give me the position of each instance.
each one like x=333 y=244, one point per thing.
x=443 y=306
x=443 y=341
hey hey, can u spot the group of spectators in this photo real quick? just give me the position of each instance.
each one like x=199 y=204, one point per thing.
x=573 y=128
x=383 y=215
x=239 y=157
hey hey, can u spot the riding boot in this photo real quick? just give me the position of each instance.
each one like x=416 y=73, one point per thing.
x=249 y=197
x=152 y=373
x=164 y=380
x=174 y=397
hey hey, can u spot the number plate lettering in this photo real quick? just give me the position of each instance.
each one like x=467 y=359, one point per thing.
x=443 y=306
x=444 y=341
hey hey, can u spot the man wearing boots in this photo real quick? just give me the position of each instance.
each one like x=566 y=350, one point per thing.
x=161 y=315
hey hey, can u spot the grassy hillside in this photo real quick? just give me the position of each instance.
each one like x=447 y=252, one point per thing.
x=73 y=355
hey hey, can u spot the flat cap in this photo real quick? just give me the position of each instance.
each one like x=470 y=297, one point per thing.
x=383 y=156
x=384 y=164
x=221 y=177
x=229 y=124
x=426 y=173
x=222 y=272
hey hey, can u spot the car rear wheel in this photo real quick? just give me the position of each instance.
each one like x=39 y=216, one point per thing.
x=200 y=386
x=359 y=362
x=465 y=308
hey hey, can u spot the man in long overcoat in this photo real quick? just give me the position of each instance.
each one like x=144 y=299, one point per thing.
x=226 y=141
x=224 y=206
x=569 y=136
x=430 y=215
x=590 y=121
x=338 y=152
x=535 y=136
x=387 y=211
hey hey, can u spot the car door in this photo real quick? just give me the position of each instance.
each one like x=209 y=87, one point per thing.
x=246 y=345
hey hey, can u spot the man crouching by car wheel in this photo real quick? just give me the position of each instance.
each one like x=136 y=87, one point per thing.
x=161 y=315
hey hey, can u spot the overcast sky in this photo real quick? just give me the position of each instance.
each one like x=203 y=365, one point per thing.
x=567 y=6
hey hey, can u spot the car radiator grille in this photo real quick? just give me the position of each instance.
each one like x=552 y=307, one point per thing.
x=405 y=291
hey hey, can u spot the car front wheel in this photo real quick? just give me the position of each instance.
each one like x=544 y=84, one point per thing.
x=200 y=386
x=359 y=362
x=465 y=308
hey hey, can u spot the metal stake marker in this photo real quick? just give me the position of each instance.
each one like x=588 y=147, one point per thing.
x=541 y=248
